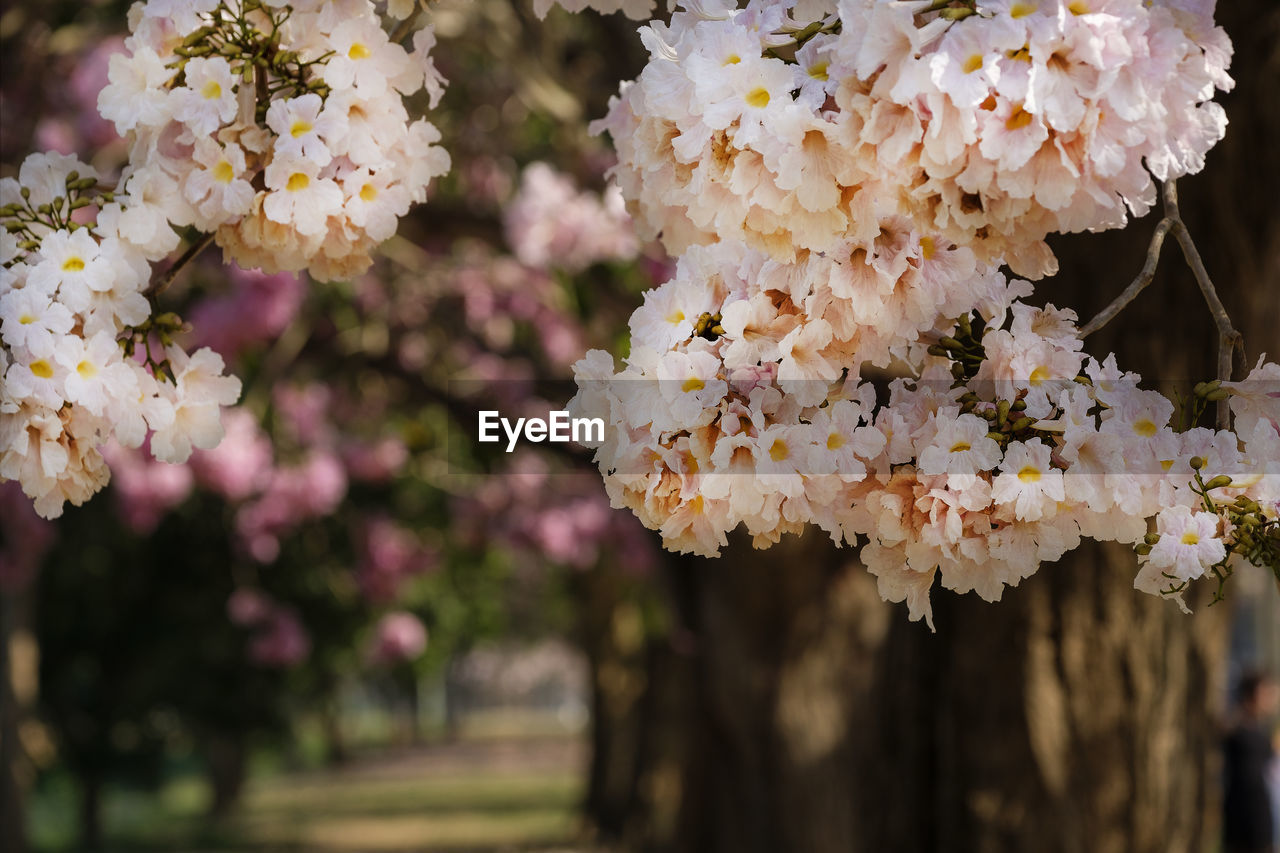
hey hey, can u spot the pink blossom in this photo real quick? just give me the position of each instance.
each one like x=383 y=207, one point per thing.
x=292 y=495
x=374 y=462
x=248 y=606
x=237 y=467
x=256 y=308
x=550 y=223
x=145 y=489
x=284 y=642
x=303 y=412
x=399 y=636
x=389 y=555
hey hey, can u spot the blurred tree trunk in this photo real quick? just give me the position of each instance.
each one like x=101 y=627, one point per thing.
x=90 y=782
x=227 y=757
x=612 y=635
x=12 y=813
x=1076 y=714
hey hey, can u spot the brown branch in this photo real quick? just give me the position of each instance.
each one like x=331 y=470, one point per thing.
x=1137 y=285
x=162 y=282
x=1229 y=340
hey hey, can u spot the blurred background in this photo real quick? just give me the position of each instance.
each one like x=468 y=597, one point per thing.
x=346 y=629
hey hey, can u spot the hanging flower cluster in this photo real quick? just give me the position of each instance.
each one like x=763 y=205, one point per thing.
x=83 y=359
x=842 y=182
x=278 y=127
x=791 y=125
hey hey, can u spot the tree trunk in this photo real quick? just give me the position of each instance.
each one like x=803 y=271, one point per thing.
x=90 y=810
x=226 y=756
x=12 y=814
x=611 y=633
x=1074 y=715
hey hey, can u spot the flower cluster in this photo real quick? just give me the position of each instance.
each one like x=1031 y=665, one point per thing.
x=842 y=181
x=279 y=640
x=1006 y=447
x=741 y=401
x=797 y=125
x=551 y=223
x=79 y=339
x=399 y=637
x=280 y=127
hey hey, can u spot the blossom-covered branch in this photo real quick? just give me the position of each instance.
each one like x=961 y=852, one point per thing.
x=847 y=199
x=276 y=129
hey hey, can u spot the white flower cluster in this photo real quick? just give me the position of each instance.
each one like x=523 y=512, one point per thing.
x=281 y=127
x=796 y=125
x=1007 y=447
x=842 y=182
x=73 y=304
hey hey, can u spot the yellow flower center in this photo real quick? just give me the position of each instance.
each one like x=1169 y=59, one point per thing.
x=368 y=192
x=297 y=181
x=26 y=319
x=299 y=127
x=835 y=441
x=972 y=64
x=223 y=173
x=960 y=447
x=87 y=369
x=758 y=98
x=42 y=368
x=818 y=71
x=1029 y=474
x=1190 y=538
x=73 y=264
x=1039 y=375
x=1078 y=7
x=778 y=451
x=1166 y=464
x=212 y=90
x=1021 y=10
x=1145 y=428
x=358 y=51
x=733 y=59
x=927 y=248
x=1020 y=119
x=693 y=383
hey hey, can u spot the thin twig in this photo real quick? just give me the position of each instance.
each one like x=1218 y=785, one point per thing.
x=1137 y=285
x=1229 y=340
x=164 y=280
x=404 y=27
